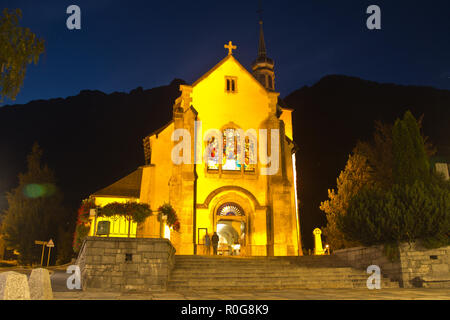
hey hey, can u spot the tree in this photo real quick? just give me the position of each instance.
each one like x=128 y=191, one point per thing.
x=405 y=213
x=378 y=153
x=415 y=207
x=410 y=160
x=35 y=209
x=373 y=165
x=355 y=176
x=18 y=48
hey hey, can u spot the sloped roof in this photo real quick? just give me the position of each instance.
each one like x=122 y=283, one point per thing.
x=128 y=186
x=221 y=62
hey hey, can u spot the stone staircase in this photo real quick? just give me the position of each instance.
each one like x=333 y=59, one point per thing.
x=266 y=273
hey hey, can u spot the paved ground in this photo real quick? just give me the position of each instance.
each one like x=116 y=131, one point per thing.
x=303 y=294
x=60 y=292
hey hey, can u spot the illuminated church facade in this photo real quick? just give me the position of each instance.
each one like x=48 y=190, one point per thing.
x=252 y=205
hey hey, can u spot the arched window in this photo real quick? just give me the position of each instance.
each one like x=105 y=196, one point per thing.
x=213 y=154
x=230 y=209
x=232 y=152
x=249 y=155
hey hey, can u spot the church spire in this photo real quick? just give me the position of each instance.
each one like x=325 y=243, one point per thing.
x=263 y=67
x=262 y=44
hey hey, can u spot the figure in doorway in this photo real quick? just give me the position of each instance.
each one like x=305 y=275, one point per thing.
x=207 y=245
x=215 y=242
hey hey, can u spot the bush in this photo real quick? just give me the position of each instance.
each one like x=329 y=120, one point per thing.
x=172 y=218
x=83 y=224
x=404 y=213
x=132 y=211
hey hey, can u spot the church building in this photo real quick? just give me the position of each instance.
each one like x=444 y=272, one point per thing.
x=237 y=174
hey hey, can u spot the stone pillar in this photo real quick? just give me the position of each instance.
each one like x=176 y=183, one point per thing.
x=318 y=249
x=40 y=285
x=14 y=286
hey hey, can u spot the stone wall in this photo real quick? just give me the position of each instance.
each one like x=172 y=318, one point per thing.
x=416 y=267
x=125 y=264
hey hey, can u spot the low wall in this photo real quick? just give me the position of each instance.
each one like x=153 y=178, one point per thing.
x=125 y=264
x=416 y=267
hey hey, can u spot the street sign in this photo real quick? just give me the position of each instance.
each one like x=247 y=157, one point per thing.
x=50 y=244
x=43 y=243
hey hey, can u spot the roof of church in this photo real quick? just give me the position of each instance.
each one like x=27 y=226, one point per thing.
x=230 y=56
x=129 y=186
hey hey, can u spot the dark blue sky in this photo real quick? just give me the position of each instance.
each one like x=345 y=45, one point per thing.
x=126 y=44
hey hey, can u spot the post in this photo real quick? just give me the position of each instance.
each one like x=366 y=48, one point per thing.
x=42 y=256
x=318 y=249
x=48 y=258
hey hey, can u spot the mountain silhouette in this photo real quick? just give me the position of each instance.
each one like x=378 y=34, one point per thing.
x=92 y=139
x=333 y=114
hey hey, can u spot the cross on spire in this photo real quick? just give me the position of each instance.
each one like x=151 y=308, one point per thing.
x=230 y=47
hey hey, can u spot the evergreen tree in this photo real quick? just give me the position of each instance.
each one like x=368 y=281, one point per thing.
x=355 y=176
x=415 y=207
x=410 y=159
x=35 y=210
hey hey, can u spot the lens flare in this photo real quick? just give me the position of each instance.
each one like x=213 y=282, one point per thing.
x=36 y=190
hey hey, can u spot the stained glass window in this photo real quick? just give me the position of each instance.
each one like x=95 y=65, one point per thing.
x=231 y=150
x=250 y=155
x=213 y=154
x=230 y=209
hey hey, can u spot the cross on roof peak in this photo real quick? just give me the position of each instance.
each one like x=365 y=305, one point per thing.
x=230 y=47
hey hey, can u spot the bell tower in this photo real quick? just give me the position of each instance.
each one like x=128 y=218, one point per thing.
x=263 y=67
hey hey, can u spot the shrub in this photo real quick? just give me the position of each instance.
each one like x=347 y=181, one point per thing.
x=132 y=211
x=172 y=218
x=403 y=213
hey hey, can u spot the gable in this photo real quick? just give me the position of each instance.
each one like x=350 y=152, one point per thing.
x=248 y=106
x=230 y=59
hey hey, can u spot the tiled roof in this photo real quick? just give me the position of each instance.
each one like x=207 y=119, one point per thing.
x=129 y=186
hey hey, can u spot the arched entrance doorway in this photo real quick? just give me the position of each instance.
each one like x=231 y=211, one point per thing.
x=231 y=228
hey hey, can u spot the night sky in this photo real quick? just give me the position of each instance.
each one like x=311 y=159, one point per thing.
x=126 y=44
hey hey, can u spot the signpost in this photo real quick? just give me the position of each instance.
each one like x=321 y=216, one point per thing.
x=43 y=243
x=50 y=245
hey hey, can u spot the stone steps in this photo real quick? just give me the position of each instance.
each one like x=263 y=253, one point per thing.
x=254 y=273
x=273 y=284
x=272 y=270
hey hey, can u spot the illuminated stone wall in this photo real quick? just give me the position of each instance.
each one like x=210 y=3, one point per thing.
x=125 y=264
x=269 y=203
x=416 y=267
x=196 y=193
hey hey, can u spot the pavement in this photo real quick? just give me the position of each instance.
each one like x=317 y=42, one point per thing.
x=294 y=294
x=61 y=292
